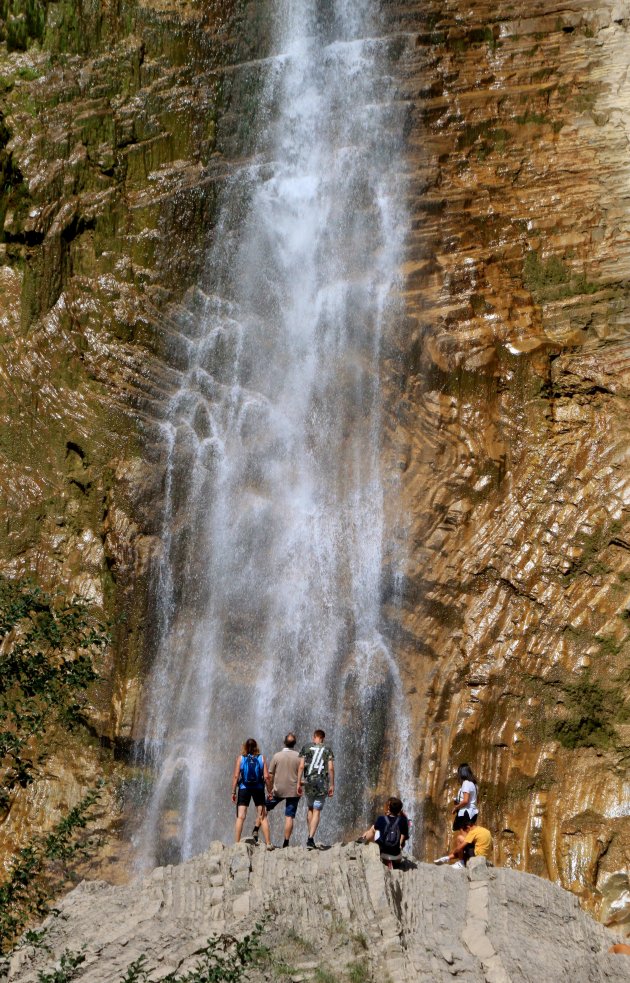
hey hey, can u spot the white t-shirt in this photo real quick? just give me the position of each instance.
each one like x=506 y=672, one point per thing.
x=471 y=806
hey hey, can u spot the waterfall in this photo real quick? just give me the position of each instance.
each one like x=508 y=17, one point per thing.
x=269 y=591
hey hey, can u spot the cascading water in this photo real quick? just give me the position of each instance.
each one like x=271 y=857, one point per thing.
x=270 y=586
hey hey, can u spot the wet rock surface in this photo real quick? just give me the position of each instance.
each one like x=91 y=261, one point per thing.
x=331 y=912
x=511 y=437
x=506 y=414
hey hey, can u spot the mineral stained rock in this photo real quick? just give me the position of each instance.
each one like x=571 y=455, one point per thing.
x=506 y=382
x=331 y=914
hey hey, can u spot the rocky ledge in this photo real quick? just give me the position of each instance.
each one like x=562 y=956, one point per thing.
x=334 y=914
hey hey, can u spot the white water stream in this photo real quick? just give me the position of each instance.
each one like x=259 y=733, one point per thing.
x=270 y=586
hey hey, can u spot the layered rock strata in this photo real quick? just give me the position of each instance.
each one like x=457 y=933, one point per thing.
x=331 y=914
x=109 y=117
x=511 y=437
x=508 y=377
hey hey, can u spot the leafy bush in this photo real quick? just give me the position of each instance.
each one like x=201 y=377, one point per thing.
x=45 y=667
x=224 y=960
x=46 y=642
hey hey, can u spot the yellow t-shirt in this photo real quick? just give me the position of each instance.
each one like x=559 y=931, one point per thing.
x=482 y=840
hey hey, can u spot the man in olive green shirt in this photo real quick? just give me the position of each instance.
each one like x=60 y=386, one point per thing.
x=317 y=768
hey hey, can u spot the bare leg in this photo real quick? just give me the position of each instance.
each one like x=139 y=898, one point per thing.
x=263 y=822
x=240 y=819
x=288 y=827
x=314 y=816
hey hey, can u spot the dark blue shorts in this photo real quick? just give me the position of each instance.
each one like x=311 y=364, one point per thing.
x=291 y=803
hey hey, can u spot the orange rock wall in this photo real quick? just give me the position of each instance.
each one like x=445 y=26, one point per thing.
x=509 y=428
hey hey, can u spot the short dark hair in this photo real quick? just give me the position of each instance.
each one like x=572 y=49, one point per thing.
x=290 y=740
x=320 y=734
x=394 y=805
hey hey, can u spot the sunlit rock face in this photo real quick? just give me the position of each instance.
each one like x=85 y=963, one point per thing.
x=509 y=426
x=108 y=118
x=506 y=431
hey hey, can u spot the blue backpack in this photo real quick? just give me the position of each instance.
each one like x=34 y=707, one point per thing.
x=252 y=771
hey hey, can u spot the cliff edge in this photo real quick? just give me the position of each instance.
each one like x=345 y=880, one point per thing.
x=335 y=914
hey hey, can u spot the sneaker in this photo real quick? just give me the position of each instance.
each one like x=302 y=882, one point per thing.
x=458 y=863
x=442 y=860
x=361 y=839
x=310 y=844
x=285 y=844
x=255 y=833
x=270 y=846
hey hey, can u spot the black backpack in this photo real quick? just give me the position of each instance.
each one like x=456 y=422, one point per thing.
x=390 y=838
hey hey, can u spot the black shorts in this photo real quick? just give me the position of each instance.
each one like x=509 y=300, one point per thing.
x=468 y=852
x=461 y=821
x=245 y=795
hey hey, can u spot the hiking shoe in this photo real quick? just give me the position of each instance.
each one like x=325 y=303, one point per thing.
x=360 y=840
x=255 y=833
x=310 y=844
x=285 y=844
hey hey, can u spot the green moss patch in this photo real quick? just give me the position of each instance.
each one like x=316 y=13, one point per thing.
x=551 y=279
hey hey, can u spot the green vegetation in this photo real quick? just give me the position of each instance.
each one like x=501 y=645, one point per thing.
x=41 y=869
x=325 y=976
x=359 y=972
x=66 y=971
x=485 y=137
x=45 y=669
x=591 y=545
x=591 y=710
x=224 y=960
x=551 y=280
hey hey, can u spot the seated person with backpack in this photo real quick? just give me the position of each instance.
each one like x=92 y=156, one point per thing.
x=390 y=831
x=248 y=782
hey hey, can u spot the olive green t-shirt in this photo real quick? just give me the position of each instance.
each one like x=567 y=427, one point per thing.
x=316 y=758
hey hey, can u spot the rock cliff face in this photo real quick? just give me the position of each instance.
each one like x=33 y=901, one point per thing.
x=508 y=378
x=108 y=119
x=512 y=432
x=334 y=915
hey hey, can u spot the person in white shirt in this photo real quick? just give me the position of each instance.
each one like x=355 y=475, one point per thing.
x=466 y=802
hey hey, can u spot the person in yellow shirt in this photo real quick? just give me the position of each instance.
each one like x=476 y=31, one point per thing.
x=472 y=841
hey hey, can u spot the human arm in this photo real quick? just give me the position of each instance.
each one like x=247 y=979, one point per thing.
x=299 y=775
x=368 y=836
x=267 y=775
x=331 y=777
x=464 y=796
x=237 y=771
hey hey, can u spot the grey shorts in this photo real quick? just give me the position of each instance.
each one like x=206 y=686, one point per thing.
x=315 y=800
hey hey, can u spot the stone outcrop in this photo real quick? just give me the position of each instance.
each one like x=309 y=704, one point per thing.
x=336 y=915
